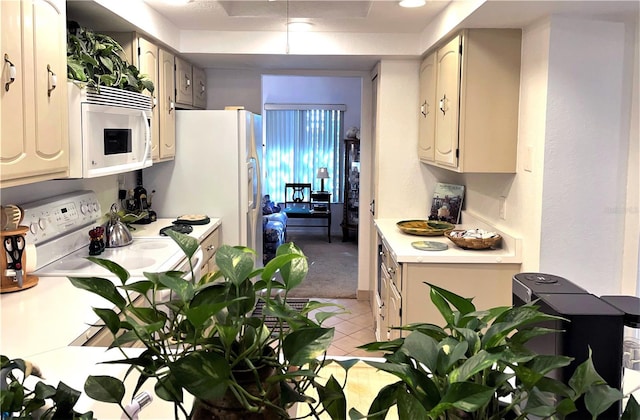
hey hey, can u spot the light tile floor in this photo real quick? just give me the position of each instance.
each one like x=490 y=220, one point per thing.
x=352 y=329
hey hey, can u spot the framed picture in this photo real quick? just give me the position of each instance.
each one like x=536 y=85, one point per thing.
x=447 y=202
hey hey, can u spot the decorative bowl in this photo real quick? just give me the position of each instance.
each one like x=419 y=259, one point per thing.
x=425 y=227
x=473 y=243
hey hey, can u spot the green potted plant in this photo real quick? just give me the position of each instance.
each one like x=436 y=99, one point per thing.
x=209 y=341
x=478 y=367
x=95 y=59
x=21 y=401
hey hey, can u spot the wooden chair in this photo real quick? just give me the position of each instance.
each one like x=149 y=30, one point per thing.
x=298 y=205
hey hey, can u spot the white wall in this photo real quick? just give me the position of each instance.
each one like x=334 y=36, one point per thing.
x=234 y=87
x=585 y=162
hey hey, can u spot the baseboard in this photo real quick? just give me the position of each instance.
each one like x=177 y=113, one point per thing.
x=363 y=295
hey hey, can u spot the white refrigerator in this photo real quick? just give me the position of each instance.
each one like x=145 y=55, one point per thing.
x=216 y=172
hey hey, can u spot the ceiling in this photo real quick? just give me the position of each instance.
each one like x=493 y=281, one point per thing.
x=337 y=16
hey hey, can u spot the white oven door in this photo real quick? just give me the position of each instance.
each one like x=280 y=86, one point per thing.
x=97 y=336
x=114 y=140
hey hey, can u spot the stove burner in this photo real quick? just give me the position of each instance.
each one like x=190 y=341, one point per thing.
x=178 y=227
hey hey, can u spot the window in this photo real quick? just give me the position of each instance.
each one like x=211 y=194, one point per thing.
x=298 y=141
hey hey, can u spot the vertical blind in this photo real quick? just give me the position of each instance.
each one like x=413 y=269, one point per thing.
x=297 y=143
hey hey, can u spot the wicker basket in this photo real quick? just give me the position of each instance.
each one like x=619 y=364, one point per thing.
x=474 y=243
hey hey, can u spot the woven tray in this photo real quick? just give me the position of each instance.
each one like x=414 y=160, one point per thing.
x=424 y=227
x=474 y=243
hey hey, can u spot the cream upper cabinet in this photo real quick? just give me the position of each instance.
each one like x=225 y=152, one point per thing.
x=167 y=105
x=199 y=88
x=34 y=145
x=149 y=64
x=184 y=82
x=191 y=85
x=427 y=109
x=477 y=97
x=145 y=54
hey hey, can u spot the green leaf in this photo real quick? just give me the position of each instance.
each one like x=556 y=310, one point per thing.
x=422 y=348
x=463 y=305
x=385 y=399
x=235 y=263
x=104 y=388
x=409 y=407
x=585 y=376
x=204 y=375
x=187 y=243
x=600 y=397
x=467 y=396
x=294 y=272
x=65 y=398
x=101 y=287
x=110 y=319
x=106 y=62
x=199 y=314
x=333 y=399
x=452 y=352
x=442 y=306
x=113 y=267
x=632 y=410
x=476 y=363
x=141 y=287
x=174 y=281
x=305 y=344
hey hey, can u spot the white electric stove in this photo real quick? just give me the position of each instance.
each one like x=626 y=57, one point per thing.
x=59 y=227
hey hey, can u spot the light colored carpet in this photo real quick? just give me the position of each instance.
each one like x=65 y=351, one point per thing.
x=333 y=267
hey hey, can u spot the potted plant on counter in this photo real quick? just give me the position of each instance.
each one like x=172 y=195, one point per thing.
x=22 y=398
x=209 y=341
x=478 y=367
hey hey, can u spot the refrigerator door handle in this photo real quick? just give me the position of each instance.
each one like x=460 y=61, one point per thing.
x=253 y=188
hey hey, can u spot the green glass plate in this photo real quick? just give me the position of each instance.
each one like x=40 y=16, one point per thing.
x=425 y=227
x=429 y=245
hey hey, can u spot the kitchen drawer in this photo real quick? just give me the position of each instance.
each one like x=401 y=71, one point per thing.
x=210 y=245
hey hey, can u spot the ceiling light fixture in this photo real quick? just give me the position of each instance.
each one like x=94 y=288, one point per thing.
x=412 y=3
x=177 y=2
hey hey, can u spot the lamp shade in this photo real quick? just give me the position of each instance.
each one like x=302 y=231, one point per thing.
x=323 y=173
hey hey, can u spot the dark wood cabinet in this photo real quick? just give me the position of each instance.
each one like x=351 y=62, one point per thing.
x=351 y=189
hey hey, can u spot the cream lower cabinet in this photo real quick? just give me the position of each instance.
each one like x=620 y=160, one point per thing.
x=488 y=284
x=34 y=143
x=209 y=246
x=403 y=297
x=477 y=86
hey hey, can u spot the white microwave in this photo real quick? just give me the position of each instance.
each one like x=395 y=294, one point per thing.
x=109 y=131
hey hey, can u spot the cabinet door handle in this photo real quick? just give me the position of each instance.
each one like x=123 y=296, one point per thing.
x=12 y=72
x=187 y=81
x=172 y=105
x=154 y=102
x=52 y=80
x=202 y=87
x=424 y=109
x=210 y=248
x=443 y=103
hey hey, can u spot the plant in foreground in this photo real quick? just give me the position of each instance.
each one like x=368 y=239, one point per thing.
x=478 y=367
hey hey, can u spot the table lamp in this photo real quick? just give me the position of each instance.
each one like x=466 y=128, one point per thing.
x=323 y=174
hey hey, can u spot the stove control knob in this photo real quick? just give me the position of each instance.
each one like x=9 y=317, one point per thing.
x=95 y=206
x=42 y=222
x=84 y=208
x=33 y=227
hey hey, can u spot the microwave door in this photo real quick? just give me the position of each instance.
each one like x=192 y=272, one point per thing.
x=114 y=140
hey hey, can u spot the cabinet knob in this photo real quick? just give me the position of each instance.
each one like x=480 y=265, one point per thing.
x=211 y=248
x=12 y=72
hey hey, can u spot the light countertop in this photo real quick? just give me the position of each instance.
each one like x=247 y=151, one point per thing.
x=399 y=243
x=28 y=317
